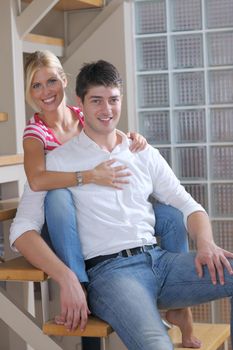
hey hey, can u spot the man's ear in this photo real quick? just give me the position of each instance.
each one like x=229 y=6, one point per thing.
x=79 y=102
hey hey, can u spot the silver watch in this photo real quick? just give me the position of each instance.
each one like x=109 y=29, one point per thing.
x=79 y=178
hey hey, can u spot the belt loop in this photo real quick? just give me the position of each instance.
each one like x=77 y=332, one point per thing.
x=128 y=251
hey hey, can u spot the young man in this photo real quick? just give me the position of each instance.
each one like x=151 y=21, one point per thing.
x=130 y=277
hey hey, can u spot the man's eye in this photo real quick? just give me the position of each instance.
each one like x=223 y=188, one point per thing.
x=115 y=100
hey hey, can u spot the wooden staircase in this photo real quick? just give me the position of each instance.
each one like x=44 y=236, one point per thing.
x=70 y=5
x=34 y=41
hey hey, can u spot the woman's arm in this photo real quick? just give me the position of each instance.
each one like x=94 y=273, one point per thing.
x=42 y=180
x=74 y=309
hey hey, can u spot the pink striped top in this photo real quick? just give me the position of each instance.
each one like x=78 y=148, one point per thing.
x=37 y=129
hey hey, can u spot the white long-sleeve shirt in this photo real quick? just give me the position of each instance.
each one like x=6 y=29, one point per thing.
x=109 y=220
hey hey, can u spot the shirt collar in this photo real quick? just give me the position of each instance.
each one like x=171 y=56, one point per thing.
x=88 y=142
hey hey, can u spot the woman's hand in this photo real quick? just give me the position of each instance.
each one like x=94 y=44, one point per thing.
x=139 y=142
x=105 y=174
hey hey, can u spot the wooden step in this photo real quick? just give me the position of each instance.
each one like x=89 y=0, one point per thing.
x=19 y=269
x=45 y=40
x=95 y=328
x=3 y=117
x=69 y=5
x=8 y=208
x=33 y=42
x=11 y=159
x=212 y=335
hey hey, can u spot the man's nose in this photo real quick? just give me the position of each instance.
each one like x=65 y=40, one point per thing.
x=106 y=107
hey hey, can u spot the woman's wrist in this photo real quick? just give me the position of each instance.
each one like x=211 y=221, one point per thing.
x=87 y=177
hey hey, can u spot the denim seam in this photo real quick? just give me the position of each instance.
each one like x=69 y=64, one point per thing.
x=119 y=320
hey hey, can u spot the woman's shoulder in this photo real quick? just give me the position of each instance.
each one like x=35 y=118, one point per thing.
x=36 y=128
x=35 y=120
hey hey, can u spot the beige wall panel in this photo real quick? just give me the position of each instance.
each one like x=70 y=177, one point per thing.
x=106 y=43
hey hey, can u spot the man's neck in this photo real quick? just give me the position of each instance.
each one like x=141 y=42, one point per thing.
x=107 y=142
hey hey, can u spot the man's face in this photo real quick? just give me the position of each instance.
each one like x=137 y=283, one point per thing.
x=101 y=108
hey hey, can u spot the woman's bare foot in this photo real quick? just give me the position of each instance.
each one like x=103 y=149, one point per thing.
x=184 y=320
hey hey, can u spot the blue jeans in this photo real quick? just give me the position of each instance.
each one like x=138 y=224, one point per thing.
x=128 y=291
x=61 y=233
x=64 y=239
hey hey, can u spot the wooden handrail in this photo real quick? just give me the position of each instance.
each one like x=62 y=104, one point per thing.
x=11 y=159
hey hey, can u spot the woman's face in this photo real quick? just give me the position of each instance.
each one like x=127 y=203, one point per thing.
x=47 y=89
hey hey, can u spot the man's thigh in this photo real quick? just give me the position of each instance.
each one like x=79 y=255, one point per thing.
x=182 y=287
x=123 y=292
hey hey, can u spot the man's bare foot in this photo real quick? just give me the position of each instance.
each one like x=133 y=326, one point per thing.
x=184 y=320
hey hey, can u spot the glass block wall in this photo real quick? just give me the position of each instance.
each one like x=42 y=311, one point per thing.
x=184 y=75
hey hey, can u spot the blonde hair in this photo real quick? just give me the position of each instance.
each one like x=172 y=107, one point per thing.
x=35 y=61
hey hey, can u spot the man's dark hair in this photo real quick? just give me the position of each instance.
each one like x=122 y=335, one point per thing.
x=96 y=74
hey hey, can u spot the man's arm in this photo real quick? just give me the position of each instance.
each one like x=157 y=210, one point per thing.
x=29 y=215
x=25 y=238
x=167 y=189
x=74 y=309
x=208 y=253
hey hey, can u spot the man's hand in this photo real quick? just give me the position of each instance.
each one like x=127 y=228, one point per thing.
x=74 y=308
x=215 y=258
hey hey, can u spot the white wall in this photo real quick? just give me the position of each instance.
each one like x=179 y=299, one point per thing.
x=107 y=43
x=11 y=81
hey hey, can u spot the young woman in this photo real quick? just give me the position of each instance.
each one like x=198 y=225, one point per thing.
x=55 y=123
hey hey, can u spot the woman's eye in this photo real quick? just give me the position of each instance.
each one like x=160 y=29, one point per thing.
x=52 y=82
x=36 y=86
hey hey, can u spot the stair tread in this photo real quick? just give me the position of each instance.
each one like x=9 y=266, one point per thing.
x=95 y=328
x=19 y=269
x=8 y=208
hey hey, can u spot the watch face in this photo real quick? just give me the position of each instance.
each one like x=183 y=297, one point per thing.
x=79 y=178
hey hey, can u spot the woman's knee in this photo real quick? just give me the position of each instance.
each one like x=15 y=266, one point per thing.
x=58 y=195
x=163 y=211
x=58 y=201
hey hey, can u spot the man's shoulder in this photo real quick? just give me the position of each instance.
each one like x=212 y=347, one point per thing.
x=64 y=151
x=148 y=151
